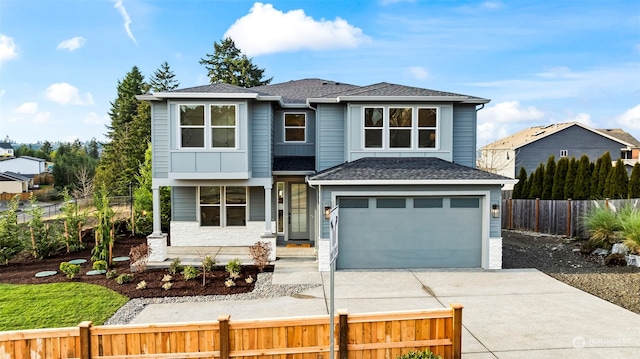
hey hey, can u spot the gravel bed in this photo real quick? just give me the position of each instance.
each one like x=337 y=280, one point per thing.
x=263 y=289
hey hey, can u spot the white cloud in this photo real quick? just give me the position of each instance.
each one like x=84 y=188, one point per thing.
x=41 y=117
x=418 y=72
x=127 y=20
x=583 y=118
x=27 y=108
x=94 y=119
x=492 y=4
x=509 y=112
x=66 y=94
x=8 y=49
x=630 y=119
x=267 y=30
x=73 y=43
x=489 y=132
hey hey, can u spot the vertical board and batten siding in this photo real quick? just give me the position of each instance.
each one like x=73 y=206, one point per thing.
x=260 y=122
x=160 y=133
x=464 y=135
x=574 y=139
x=495 y=228
x=183 y=203
x=330 y=136
x=307 y=148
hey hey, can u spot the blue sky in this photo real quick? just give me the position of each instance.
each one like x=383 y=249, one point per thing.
x=539 y=62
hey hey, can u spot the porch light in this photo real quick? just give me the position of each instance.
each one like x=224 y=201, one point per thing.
x=327 y=212
x=495 y=211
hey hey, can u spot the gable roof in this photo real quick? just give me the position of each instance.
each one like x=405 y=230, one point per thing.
x=15 y=176
x=621 y=135
x=298 y=91
x=6 y=146
x=536 y=133
x=404 y=170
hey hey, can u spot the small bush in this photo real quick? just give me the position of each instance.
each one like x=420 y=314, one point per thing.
x=112 y=274
x=230 y=283
x=427 y=354
x=260 y=253
x=70 y=270
x=249 y=280
x=167 y=286
x=175 y=266
x=631 y=229
x=124 y=278
x=208 y=263
x=604 y=227
x=100 y=265
x=141 y=285
x=167 y=278
x=233 y=267
x=190 y=273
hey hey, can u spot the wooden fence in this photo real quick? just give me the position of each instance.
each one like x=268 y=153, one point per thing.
x=563 y=217
x=376 y=335
x=24 y=196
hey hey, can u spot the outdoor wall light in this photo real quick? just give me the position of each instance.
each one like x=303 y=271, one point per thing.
x=327 y=212
x=495 y=211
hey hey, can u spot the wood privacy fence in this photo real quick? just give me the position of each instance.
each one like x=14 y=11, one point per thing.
x=376 y=335
x=24 y=196
x=563 y=217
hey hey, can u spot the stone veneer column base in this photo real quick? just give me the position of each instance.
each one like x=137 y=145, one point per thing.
x=157 y=247
x=495 y=253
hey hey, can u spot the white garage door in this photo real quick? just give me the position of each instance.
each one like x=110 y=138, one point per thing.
x=413 y=232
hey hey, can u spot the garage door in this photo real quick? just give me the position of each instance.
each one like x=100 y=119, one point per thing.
x=415 y=232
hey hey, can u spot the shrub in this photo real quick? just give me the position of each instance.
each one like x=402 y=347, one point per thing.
x=603 y=226
x=70 y=270
x=230 y=283
x=11 y=238
x=175 y=266
x=46 y=240
x=631 y=229
x=167 y=278
x=141 y=285
x=208 y=263
x=427 y=354
x=124 y=278
x=112 y=274
x=167 y=286
x=190 y=273
x=100 y=265
x=260 y=253
x=233 y=267
x=249 y=280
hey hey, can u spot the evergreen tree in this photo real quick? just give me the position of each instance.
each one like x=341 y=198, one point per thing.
x=571 y=178
x=594 y=180
x=70 y=161
x=603 y=173
x=557 y=192
x=549 y=174
x=538 y=182
x=618 y=181
x=46 y=150
x=163 y=79
x=526 y=189
x=92 y=149
x=518 y=188
x=143 y=198
x=581 y=187
x=129 y=133
x=229 y=65
x=634 y=182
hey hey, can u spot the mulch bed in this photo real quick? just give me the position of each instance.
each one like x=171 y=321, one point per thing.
x=22 y=270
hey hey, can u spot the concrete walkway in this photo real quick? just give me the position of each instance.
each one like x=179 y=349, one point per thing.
x=507 y=314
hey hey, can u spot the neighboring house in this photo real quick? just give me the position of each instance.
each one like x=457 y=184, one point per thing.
x=6 y=150
x=268 y=163
x=24 y=165
x=14 y=183
x=533 y=146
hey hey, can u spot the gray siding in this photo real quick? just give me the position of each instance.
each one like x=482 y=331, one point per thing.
x=256 y=203
x=260 y=128
x=307 y=148
x=574 y=139
x=464 y=135
x=495 y=228
x=183 y=204
x=330 y=136
x=160 y=140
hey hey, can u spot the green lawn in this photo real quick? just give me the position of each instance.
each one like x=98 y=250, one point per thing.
x=55 y=305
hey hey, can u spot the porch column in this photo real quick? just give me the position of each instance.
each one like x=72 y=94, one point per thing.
x=157 y=241
x=267 y=211
x=157 y=228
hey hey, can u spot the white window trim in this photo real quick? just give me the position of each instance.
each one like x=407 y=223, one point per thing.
x=208 y=140
x=411 y=129
x=223 y=207
x=564 y=153
x=284 y=127
x=386 y=128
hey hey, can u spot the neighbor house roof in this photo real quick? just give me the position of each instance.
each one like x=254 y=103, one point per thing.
x=15 y=176
x=33 y=158
x=404 y=170
x=6 y=145
x=536 y=133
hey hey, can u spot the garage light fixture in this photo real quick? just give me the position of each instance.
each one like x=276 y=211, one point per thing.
x=327 y=212
x=495 y=211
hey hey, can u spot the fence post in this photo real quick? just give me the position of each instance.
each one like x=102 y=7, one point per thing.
x=456 y=338
x=85 y=340
x=606 y=202
x=537 y=214
x=225 y=342
x=510 y=215
x=343 y=341
x=568 y=217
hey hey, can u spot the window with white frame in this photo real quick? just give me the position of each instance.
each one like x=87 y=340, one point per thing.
x=564 y=153
x=223 y=206
x=294 y=127
x=220 y=120
x=406 y=127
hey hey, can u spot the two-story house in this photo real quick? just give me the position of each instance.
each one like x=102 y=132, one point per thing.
x=268 y=163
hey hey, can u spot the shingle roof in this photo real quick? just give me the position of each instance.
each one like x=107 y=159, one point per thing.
x=621 y=135
x=294 y=164
x=6 y=145
x=402 y=168
x=216 y=88
x=388 y=89
x=299 y=91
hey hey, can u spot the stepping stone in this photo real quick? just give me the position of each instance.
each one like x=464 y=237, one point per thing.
x=120 y=259
x=47 y=273
x=78 y=261
x=96 y=272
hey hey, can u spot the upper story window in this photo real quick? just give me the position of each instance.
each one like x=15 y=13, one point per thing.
x=208 y=126
x=400 y=127
x=294 y=127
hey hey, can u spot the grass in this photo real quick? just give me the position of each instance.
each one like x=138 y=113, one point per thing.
x=603 y=225
x=55 y=305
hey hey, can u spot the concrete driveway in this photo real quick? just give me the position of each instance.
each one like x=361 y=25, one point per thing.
x=507 y=313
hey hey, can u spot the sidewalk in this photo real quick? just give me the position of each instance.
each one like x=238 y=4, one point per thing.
x=507 y=314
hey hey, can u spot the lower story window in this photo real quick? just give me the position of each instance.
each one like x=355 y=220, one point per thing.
x=223 y=206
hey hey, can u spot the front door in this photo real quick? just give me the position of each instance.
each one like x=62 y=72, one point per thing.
x=298 y=211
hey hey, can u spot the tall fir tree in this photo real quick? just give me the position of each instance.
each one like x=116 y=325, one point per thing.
x=634 y=182
x=538 y=181
x=618 y=181
x=526 y=189
x=229 y=65
x=595 y=194
x=603 y=173
x=93 y=149
x=163 y=79
x=582 y=185
x=518 y=188
x=571 y=178
x=128 y=135
x=549 y=174
x=557 y=192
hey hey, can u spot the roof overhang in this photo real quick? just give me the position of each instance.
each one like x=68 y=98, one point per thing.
x=409 y=182
x=199 y=95
x=292 y=173
x=460 y=99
